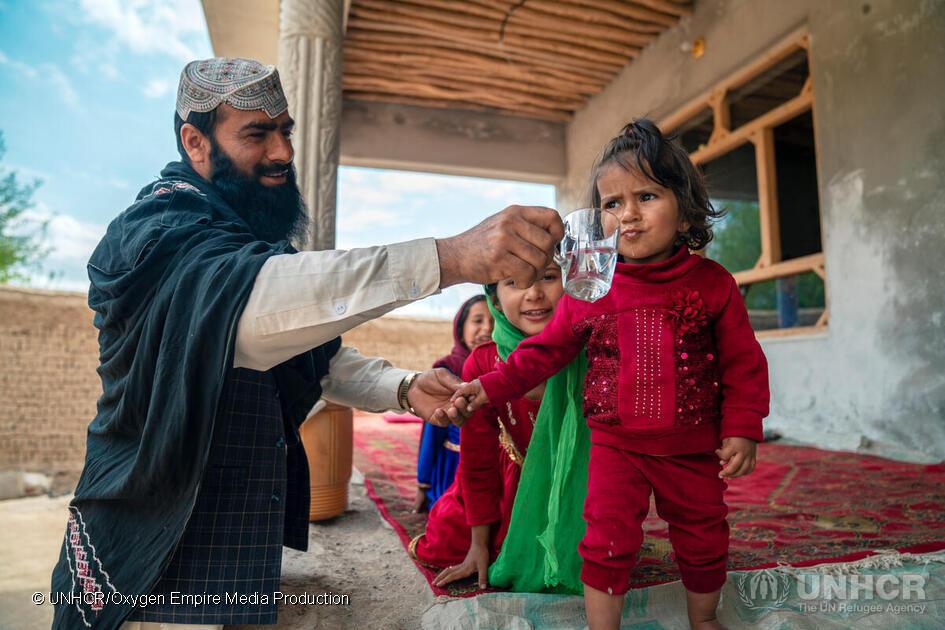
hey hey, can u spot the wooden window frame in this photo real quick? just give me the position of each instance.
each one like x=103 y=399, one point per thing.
x=760 y=132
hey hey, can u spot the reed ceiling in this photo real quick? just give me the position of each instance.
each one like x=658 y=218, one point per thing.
x=540 y=58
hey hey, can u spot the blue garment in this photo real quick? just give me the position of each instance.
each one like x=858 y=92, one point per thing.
x=436 y=464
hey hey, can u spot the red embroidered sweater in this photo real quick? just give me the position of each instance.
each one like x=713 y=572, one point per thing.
x=490 y=463
x=673 y=363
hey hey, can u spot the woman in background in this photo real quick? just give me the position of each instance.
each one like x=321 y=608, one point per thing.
x=439 y=446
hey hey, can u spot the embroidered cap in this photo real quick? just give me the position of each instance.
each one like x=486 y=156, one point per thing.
x=242 y=83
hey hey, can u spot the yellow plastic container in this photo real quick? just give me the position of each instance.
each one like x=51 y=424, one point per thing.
x=328 y=439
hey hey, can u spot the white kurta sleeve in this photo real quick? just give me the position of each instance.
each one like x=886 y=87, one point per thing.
x=300 y=301
x=367 y=383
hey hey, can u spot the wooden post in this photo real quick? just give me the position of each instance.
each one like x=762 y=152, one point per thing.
x=763 y=140
x=721 y=115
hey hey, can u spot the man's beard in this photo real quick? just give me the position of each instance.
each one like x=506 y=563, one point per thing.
x=274 y=213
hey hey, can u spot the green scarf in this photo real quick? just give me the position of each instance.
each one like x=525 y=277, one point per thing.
x=540 y=550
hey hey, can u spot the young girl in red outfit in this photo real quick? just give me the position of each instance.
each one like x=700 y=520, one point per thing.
x=676 y=387
x=468 y=524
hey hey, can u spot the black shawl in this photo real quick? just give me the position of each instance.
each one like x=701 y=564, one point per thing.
x=169 y=282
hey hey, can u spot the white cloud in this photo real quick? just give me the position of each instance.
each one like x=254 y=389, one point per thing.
x=156 y=88
x=368 y=218
x=61 y=84
x=98 y=60
x=50 y=73
x=166 y=27
x=378 y=206
x=24 y=69
x=71 y=242
x=70 y=239
x=28 y=174
x=406 y=182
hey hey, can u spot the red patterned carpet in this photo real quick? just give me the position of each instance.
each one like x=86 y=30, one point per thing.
x=800 y=506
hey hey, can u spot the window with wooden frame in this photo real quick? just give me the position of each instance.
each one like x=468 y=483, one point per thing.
x=752 y=135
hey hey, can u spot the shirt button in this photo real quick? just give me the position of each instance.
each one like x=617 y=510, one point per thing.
x=275 y=497
x=280 y=442
x=340 y=308
x=414 y=290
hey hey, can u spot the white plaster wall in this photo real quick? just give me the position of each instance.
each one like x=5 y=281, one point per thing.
x=876 y=378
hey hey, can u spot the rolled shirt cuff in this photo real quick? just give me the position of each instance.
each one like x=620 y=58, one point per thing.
x=415 y=268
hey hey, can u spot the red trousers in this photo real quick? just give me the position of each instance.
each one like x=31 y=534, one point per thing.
x=688 y=495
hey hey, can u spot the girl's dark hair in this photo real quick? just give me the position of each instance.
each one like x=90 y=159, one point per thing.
x=204 y=121
x=641 y=146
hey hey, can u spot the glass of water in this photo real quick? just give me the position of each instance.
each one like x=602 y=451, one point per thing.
x=588 y=253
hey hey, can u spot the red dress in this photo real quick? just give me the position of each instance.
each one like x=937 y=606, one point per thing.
x=493 y=446
x=673 y=368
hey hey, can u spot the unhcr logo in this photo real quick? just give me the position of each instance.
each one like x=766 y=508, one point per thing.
x=763 y=589
x=846 y=593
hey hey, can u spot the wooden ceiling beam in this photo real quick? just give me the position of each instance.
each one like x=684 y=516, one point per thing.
x=358 y=59
x=380 y=97
x=678 y=8
x=613 y=24
x=583 y=33
x=611 y=61
x=630 y=10
x=595 y=70
x=433 y=71
x=435 y=87
x=445 y=47
x=487 y=31
x=466 y=6
x=447 y=16
x=535 y=59
x=380 y=43
x=484 y=97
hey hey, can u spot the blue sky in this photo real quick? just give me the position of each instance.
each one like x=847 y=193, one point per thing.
x=87 y=92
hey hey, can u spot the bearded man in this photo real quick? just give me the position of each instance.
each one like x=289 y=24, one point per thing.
x=216 y=339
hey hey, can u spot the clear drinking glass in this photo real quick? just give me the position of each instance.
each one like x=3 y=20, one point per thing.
x=588 y=253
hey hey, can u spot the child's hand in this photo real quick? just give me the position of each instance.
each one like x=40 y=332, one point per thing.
x=469 y=398
x=476 y=561
x=737 y=455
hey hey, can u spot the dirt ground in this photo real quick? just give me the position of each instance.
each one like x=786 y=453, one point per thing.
x=356 y=554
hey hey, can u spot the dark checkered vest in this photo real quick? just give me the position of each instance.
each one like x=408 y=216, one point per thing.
x=253 y=498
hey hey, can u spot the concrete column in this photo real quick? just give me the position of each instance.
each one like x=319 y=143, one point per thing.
x=310 y=53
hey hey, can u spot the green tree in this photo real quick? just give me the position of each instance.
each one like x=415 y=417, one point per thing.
x=22 y=238
x=737 y=246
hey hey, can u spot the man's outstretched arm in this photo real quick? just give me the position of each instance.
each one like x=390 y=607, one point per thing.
x=373 y=384
x=300 y=301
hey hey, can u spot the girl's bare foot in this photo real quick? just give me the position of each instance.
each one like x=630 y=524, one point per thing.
x=702 y=607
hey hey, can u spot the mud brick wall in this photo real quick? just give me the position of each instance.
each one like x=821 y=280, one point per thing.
x=48 y=383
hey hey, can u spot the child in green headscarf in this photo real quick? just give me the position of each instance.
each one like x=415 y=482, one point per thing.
x=532 y=532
